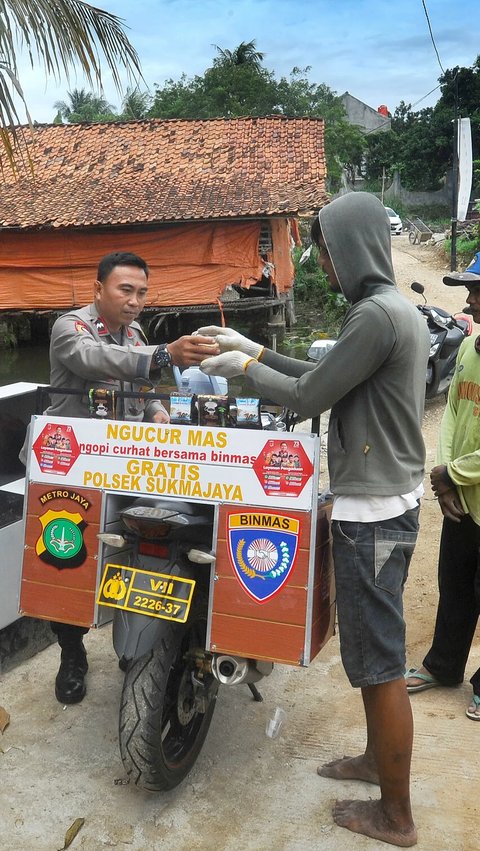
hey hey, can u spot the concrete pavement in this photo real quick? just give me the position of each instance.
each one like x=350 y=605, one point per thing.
x=247 y=791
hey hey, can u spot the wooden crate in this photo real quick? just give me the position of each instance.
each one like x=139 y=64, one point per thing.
x=293 y=624
x=59 y=575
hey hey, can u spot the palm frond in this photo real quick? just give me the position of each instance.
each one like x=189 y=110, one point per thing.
x=58 y=36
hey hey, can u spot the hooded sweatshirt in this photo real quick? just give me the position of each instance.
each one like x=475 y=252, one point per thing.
x=373 y=379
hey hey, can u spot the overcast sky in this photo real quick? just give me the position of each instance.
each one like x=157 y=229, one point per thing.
x=378 y=50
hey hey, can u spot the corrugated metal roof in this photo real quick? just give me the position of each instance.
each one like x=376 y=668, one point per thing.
x=165 y=170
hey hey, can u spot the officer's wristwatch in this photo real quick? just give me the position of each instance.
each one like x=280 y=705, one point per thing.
x=161 y=357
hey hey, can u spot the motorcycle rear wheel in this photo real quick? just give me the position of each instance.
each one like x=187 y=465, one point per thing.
x=161 y=731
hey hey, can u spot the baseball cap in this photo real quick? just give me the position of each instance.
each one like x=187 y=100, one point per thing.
x=469 y=278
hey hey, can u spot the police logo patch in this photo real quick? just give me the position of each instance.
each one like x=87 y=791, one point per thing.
x=81 y=328
x=61 y=542
x=262 y=549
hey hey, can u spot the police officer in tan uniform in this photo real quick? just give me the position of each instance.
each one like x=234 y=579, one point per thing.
x=101 y=348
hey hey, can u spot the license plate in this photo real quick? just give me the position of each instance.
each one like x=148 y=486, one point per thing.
x=158 y=595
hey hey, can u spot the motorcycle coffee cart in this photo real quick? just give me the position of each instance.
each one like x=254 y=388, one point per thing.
x=17 y=404
x=271 y=584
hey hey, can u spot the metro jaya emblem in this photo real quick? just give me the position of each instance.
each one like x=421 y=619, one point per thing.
x=61 y=543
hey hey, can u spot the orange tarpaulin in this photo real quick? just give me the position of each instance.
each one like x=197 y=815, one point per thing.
x=189 y=264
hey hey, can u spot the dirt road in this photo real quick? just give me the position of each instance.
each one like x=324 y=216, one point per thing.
x=247 y=792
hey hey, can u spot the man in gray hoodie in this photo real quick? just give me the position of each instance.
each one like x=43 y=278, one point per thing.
x=373 y=380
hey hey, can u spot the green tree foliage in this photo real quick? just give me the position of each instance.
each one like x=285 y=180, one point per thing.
x=245 y=54
x=312 y=289
x=381 y=151
x=423 y=151
x=135 y=104
x=238 y=84
x=57 y=36
x=344 y=143
x=84 y=107
x=420 y=144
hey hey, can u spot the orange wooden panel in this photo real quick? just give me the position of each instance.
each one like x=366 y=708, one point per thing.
x=35 y=570
x=39 y=600
x=323 y=523
x=288 y=606
x=42 y=496
x=322 y=629
x=266 y=640
x=324 y=588
x=324 y=609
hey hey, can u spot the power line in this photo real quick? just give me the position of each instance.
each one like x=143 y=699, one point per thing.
x=388 y=120
x=425 y=96
x=431 y=35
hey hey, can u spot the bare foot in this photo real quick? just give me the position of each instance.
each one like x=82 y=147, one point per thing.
x=370 y=819
x=350 y=768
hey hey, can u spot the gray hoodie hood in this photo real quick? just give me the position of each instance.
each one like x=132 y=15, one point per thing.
x=356 y=252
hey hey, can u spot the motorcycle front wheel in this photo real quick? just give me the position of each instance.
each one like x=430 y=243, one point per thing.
x=162 y=725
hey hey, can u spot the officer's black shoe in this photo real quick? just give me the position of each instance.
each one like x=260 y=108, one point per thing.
x=70 y=681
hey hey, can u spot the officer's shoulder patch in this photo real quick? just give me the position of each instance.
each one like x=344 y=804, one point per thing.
x=81 y=327
x=135 y=326
x=101 y=327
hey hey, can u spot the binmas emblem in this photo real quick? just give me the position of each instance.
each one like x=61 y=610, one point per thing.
x=262 y=548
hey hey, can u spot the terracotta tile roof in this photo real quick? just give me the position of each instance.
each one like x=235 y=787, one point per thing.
x=158 y=171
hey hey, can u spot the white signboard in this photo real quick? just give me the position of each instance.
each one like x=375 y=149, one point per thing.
x=180 y=462
x=464 y=142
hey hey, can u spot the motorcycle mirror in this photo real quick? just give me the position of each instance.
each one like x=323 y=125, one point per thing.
x=319 y=349
x=306 y=254
x=200 y=557
x=111 y=540
x=417 y=288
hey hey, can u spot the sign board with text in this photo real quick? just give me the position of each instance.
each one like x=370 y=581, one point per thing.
x=186 y=462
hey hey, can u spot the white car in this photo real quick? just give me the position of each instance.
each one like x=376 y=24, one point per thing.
x=396 y=226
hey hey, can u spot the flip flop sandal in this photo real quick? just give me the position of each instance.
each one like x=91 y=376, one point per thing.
x=427 y=681
x=475 y=715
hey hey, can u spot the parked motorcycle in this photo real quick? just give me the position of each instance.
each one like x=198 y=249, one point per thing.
x=171 y=680
x=447 y=331
x=170 y=686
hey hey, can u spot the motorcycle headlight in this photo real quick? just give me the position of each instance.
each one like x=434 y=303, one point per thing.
x=434 y=349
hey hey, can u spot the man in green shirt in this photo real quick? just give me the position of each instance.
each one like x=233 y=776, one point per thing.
x=456 y=482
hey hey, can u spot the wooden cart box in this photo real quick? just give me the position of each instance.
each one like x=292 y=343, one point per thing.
x=272 y=591
x=291 y=624
x=59 y=576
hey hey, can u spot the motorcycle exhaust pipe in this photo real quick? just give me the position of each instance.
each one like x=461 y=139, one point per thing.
x=231 y=670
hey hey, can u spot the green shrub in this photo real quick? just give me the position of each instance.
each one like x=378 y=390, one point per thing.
x=466 y=248
x=313 y=291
